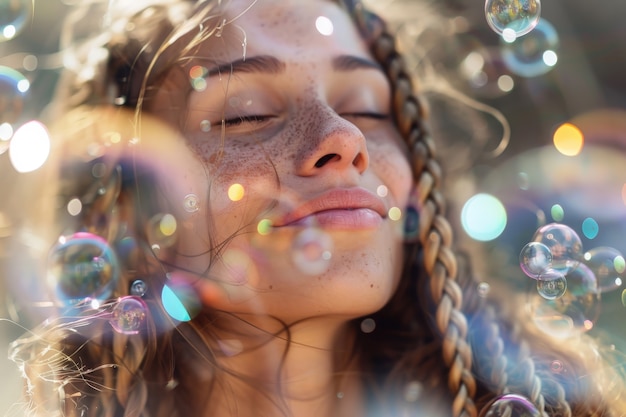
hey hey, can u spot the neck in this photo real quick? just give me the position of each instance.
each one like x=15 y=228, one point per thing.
x=302 y=370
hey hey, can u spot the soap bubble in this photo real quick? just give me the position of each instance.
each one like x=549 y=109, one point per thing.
x=13 y=89
x=14 y=15
x=129 y=315
x=552 y=289
x=576 y=310
x=608 y=265
x=510 y=405
x=535 y=259
x=82 y=266
x=533 y=54
x=138 y=288
x=190 y=203
x=516 y=16
x=312 y=251
x=564 y=244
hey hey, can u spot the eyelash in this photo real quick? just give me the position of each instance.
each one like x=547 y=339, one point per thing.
x=255 y=118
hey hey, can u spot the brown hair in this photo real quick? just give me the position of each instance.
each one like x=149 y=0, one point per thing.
x=438 y=349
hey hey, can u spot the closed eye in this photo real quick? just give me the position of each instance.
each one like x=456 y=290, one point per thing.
x=369 y=115
x=239 y=120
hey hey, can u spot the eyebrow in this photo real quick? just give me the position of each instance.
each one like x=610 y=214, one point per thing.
x=267 y=64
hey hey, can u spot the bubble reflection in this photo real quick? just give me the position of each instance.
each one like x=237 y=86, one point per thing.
x=533 y=54
x=14 y=15
x=129 y=315
x=82 y=266
x=518 y=16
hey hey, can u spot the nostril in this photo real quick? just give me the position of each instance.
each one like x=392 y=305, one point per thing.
x=324 y=159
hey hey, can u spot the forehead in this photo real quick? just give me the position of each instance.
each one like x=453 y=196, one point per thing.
x=289 y=29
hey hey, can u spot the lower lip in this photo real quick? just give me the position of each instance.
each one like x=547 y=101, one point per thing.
x=357 y=219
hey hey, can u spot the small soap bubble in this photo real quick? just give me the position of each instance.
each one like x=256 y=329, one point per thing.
x=311 y=250
x=534 y=259
x=624 y=298
x=12 y=84
x=129 y=315
x=14 y=15
x=557 y=367
x=205 y=126
x=190 y=203
x=533 y=54
x=552 y=289
x=483 y=289
x=564 y=244
x=138 y=288
x=608 y=265
x=368 y=325
x=518 y=16
x=82 y=266
x=510 y=405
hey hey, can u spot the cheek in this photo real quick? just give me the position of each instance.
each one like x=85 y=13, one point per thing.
x=391 y=165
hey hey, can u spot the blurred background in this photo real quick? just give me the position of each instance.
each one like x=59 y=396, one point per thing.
x=561 y=87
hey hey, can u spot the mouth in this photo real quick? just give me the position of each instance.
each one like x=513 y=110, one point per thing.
x=340 y=209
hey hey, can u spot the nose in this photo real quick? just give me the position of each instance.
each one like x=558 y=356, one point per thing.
x=331 y=143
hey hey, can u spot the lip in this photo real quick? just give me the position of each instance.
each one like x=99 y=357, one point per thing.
x=339 y=208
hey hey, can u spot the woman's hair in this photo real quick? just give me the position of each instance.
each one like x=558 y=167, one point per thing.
x=439 y=348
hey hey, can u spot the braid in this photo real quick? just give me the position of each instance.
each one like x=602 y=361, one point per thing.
x=435 y=232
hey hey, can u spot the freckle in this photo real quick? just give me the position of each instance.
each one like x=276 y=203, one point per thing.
x=212 y=158
x=271 y=287
x=371 y=285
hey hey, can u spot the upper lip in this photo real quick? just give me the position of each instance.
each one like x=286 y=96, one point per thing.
x=335 y=199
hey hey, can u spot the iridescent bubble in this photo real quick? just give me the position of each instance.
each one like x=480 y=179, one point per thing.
x=581 y=281
x=129 y=315
x=608 y=265
x=191 y=203
x=535 y=259
x=180 y=301
x=138 y=288
x=13 y=89
x=510 y=405
x=533 y=54
x=564 y=244
x=82 y=266
x=518 y=16
x=312 y=251
x=552 y=289
x=14 y=15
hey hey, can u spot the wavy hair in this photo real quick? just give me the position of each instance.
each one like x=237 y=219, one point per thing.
x=439 y=348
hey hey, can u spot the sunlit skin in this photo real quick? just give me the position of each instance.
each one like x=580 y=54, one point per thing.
x=315 y=122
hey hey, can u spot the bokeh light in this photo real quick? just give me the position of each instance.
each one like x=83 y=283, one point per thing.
x=180 y=301
x=13 y=89
x=324 y=26
x=312 y=251
x=590 y=228
x=568 y=139
x=264 y=227
x=30 y=147
x=557 y=213
x=236 y=192
x=483 y=217
x=395 y=213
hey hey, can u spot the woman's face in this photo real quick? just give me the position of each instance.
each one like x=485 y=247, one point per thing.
x=289 y=115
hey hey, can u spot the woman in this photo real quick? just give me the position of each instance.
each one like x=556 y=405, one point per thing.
x=254 y=180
